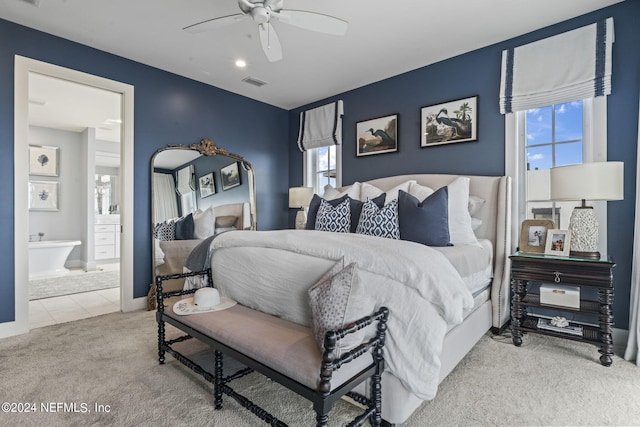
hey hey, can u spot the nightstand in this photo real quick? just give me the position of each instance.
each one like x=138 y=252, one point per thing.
x=527 y=268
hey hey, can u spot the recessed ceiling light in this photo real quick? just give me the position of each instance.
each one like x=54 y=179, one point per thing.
x=240 y=63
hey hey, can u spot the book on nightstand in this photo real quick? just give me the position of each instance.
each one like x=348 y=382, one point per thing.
x=571 y=329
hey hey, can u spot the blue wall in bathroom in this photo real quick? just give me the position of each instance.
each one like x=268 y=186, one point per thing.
x=169 y=109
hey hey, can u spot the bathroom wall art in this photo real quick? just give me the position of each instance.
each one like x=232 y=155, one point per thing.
x=43 y=195
x=43 y=160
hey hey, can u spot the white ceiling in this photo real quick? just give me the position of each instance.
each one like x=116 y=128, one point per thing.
x=384 y=38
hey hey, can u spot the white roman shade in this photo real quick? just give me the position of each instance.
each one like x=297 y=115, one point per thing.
x=568 y=67
x=321 y=126
x=186 y=180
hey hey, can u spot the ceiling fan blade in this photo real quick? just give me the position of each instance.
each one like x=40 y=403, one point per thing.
x=212 y=24
x=314 y=21
x=270 y=42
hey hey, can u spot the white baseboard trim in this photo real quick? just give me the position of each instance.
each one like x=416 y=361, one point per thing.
x=10 y=329
x=620 y=337
x=134 y=304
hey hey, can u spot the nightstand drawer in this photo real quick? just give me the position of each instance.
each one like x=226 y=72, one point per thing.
x=579 y=273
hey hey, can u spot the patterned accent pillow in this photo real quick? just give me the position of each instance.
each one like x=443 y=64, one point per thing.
x=337 y=300
x=336 y=219
x=381 y=222
x=166 y=230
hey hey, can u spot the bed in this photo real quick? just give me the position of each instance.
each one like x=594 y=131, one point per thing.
x=442 y=299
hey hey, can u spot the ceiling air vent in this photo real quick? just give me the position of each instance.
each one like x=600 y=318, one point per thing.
x=254 y=81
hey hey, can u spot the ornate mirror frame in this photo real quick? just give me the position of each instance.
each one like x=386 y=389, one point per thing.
x=206 y=147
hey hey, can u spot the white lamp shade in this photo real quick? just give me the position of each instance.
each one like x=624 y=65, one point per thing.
x=300 y=197
x=538 y=185
x=588 y=181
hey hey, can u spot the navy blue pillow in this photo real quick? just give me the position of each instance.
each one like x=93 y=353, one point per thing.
x=425 y=222
x=184 y=228
x=354 y=205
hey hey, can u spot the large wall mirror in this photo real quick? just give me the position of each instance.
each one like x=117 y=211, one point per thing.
x=197 y=191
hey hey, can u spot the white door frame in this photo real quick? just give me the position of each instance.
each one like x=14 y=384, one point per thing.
x=23 y=66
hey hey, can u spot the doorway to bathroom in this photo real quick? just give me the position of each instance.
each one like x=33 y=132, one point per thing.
x=85 y=178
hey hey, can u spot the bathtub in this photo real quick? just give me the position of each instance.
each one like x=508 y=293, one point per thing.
x=47 y=257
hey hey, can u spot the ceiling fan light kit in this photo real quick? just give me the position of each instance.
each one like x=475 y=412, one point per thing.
x=262 y=11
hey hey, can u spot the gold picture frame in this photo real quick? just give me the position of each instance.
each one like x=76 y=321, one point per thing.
x=533 y=235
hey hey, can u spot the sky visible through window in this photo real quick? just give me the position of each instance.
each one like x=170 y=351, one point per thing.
x=554 y=135
x=326 y=166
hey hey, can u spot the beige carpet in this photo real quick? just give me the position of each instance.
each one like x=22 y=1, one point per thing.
x=111 y=360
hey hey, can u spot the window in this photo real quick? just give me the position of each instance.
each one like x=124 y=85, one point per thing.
x=538 y=139
x=322 y=166
x=187 y=203
x=553 y=137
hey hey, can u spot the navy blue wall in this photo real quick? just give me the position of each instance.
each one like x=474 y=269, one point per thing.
x=168 y=110
x=478 y=73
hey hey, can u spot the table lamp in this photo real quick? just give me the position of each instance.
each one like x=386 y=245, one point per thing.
x=300 y=197
x=587 y=181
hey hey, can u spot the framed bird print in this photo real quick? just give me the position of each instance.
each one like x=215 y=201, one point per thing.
x=377 y=136
x=449 y=122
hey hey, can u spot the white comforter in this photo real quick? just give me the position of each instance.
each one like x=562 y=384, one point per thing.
x=422 y=290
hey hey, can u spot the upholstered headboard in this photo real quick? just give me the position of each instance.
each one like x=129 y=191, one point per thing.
x=496 y=225
x=237 y=210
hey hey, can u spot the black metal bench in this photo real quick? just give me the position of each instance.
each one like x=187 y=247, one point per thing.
x=209 y=328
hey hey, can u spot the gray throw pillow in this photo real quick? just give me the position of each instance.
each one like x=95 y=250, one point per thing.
x=338 y=299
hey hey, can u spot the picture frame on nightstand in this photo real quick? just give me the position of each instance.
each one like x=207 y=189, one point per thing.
x=533 y=235
x=558 y=242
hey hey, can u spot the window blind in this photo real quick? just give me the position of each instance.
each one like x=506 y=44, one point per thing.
x=321 y=126
x=570 y=66
x=186 y=180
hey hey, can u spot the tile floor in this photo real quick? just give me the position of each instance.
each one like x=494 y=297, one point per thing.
x=49 y=311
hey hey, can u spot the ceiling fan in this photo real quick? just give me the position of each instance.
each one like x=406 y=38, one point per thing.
x=263 y=11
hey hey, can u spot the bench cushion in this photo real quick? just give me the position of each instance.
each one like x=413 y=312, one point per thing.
x=285 y=347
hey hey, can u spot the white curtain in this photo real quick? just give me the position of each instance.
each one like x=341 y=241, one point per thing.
x=563 y=68
x=633 y=343
x=321 y=126
x=165 y=205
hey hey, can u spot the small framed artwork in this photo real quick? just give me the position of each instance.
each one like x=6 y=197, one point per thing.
x=533 y=234
x=449 y=122
x=43 y=160
x=558 y=242
x=377 y=136
x=230 y=176
x=207 y=185
x=43 y=195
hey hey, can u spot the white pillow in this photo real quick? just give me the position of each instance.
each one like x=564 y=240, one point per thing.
x=420 y=192
x=204 y=223
x=460 y=228
x=369 y=192
x=475 y=203
x=352 y=191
